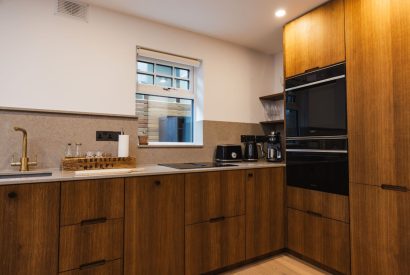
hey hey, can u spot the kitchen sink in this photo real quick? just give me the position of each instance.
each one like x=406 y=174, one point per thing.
x=28 y=174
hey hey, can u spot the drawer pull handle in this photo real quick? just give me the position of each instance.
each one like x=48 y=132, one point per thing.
x=250 y=175
x=218 y=219
x=394 y=188
x=314 y=213
x=92 y=265
x=312 y=69
x=157 y=182
x=94 y=221
x=12 y=195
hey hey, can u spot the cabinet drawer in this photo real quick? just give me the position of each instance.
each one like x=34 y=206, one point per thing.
x=87 y=243
x=98 y=268
x=91 y=199
x=323 y=240
x=213 y=245
x=326 y=204
x=214 y=194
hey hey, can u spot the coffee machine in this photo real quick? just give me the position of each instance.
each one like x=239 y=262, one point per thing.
x=274 y=150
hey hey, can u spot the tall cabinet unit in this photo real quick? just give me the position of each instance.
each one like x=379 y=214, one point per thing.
x=378 y=66
x=315 y=40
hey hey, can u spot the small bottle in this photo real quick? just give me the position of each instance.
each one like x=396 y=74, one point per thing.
x=68 y=151
x=78 y=150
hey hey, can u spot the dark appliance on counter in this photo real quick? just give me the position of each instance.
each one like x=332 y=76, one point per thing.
x=228 y=153
x=274 y=150
x=253 y=148
x=316 y=129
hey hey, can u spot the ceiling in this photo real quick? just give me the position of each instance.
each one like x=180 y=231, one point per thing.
x=250 y=23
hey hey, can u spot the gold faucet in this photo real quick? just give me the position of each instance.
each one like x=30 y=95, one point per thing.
x=24 y=161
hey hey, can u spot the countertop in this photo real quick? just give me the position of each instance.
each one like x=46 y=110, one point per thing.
x=142 y=170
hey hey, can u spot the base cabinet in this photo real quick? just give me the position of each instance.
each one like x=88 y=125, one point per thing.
x=154 y=225
x=380 y=230
x=29 y=224
x=265 y=216
x=213 y=245
x=320 y=239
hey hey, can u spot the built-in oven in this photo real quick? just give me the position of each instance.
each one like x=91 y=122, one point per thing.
x=316 y=131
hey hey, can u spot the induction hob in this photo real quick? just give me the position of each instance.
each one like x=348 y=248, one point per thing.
x=196 y=165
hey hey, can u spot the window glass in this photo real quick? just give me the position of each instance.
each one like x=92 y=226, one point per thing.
x=182 y=84
x=163 y=81
x=165 y=119
x=145 y=79
x=181 y=73
x=163 y=70
x=145 y=67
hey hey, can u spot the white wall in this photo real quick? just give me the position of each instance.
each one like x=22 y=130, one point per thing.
x=59 y=63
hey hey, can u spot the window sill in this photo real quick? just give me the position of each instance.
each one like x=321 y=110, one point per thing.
x=171 y=146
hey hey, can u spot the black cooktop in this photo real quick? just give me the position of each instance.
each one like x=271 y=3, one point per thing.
x=196 y=165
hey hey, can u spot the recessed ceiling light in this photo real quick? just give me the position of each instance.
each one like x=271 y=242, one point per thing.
x=280 y=13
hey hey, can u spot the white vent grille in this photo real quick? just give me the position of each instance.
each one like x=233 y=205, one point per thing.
x=73 y=9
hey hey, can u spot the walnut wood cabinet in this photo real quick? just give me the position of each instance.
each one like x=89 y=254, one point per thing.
x=378 y=85
x=265 y=206
x=380 y=230
x=154 y=225
x=29 y=220
x=315 y=40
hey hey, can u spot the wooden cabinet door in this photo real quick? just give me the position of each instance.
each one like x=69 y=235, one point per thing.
x=265 y=219
x=315 y=39
x=321 y=239
x=213 y=245
x=378 y=85
x=213 y=195
x=29 y=229
x=380 y=230
x=154 y=225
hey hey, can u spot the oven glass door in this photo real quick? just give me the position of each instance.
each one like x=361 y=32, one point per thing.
x=326 y=172
x=317 y=110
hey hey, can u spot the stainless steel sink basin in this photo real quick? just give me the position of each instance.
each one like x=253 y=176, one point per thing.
x=29 y=174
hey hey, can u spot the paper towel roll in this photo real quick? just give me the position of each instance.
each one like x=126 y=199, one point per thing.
x=123 y=146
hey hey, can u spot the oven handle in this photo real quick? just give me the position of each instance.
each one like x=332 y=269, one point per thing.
x=316 y=137
x=317 y=151
x=316 y=82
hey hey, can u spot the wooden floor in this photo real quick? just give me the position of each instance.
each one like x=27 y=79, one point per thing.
x=281 y=264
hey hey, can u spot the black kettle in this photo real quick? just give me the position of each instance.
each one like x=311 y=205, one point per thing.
x=251 y=149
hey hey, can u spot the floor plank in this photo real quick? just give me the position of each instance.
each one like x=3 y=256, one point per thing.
x=279 y=265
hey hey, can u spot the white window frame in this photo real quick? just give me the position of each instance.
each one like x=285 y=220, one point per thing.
x=157 y=90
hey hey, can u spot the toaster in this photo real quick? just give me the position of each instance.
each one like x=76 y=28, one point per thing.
x=228 y=153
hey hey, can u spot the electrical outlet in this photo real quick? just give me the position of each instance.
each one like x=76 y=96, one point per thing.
x=106 y=136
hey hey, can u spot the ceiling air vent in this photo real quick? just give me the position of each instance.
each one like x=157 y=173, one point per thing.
x=73 y=9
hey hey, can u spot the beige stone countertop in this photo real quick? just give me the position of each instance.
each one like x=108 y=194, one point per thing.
x=140 y=170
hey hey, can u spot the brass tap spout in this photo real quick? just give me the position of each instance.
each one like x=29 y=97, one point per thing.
x=24 y=161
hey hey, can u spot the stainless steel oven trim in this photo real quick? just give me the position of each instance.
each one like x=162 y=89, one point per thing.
x=317 y=82
x=317 y=137
x=317 y=151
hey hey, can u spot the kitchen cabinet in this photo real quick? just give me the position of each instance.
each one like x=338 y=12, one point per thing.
x=380 y=230
x=215 y=244
x=83 y=201
x=323 y=204
x=154 y=225
x=213 y=195
x=323 y=240
x=265 y=217
x=315 y=40
x=378 y=98
x=29 y=222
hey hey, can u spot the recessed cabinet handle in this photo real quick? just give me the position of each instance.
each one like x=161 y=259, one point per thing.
x=157 y=182
x=218 y=219
x=92 y=265
x=94 y=221
x=12 y=195
x=250 y=175
x=312 y=69
x=394 y=188
x=314 y=213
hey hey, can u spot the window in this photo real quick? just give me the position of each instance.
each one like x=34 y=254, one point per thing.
x=166 y=98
